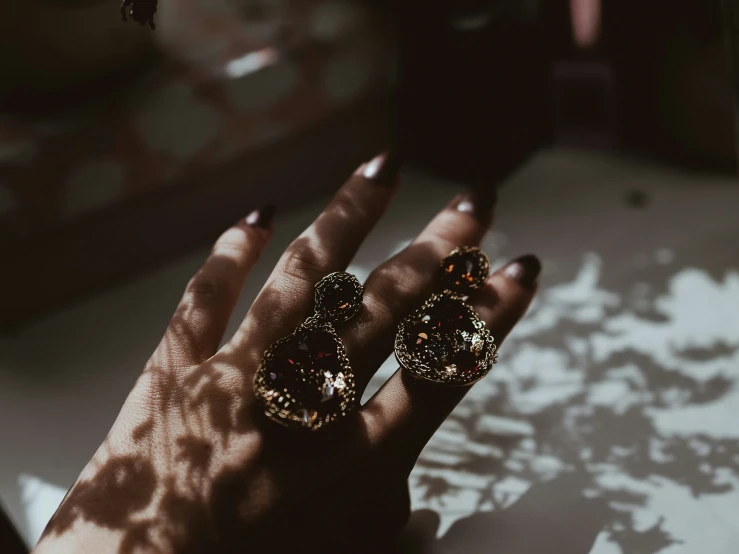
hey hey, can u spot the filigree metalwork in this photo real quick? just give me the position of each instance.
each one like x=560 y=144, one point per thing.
x=305 y=379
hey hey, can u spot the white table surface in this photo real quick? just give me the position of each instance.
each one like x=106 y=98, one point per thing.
x=610 y=425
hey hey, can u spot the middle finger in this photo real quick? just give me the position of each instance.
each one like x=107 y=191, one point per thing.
x=327 y=245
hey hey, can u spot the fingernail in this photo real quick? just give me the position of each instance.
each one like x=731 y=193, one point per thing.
x=524 y=270
x=478 y=203
x=360 y=169
x=585 y=20
x=261 y=218
x=383 y=169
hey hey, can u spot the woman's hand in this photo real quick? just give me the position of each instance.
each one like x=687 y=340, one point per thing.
x=191 y=465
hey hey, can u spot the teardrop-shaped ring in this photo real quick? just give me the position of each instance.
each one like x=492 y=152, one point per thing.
x=304 y=379
x=444 y=340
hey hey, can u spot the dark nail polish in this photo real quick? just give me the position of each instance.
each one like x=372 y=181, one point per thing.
x=383 y=169
x=261 y=218
x=524 y=270
x=479 y=203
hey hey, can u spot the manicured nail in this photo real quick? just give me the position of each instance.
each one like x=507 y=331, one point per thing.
x=383 y=169
x=360 y=169
x=585 y=18
x=479 y=203
x=261 y=218
x=524 y=270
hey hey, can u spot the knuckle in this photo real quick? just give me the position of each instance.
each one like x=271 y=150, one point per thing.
x=448 y=233
x=208 y=290
x=236 y=244
x=349 y=206
x=396 y=286
x=303 y=264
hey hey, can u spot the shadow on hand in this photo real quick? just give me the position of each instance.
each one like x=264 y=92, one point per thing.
x=202 y=470
x=550 y=517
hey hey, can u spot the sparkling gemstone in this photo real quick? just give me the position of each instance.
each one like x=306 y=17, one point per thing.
x=435 y=355
x=467 y=362
x=284 y=374
x=319 y=349
x=331 y=400
x=426 y=343
x=299 y=366
x=463 y=271
x=445 y=338
x=339 y=296
x=291 y=356
x=306 y=416
x=340 y=382
x=328 y=388
x=448 y=314
x=418 y=336
x=330 y=406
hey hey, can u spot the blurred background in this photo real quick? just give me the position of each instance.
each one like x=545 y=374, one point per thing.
x=608 y=127
x=231 y=104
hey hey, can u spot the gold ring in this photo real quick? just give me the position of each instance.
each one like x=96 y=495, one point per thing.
x=305 y=379
x=445 y=341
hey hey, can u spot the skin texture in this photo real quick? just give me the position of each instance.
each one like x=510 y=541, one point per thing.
x=190 y=465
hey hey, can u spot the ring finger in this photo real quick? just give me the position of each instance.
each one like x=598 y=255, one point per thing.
x=405 y=412
x=401 y=283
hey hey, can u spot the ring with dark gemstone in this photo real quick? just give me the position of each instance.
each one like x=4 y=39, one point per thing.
x=464 y=269
x=305 y=379
x=445 y=341
x=338 y=296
